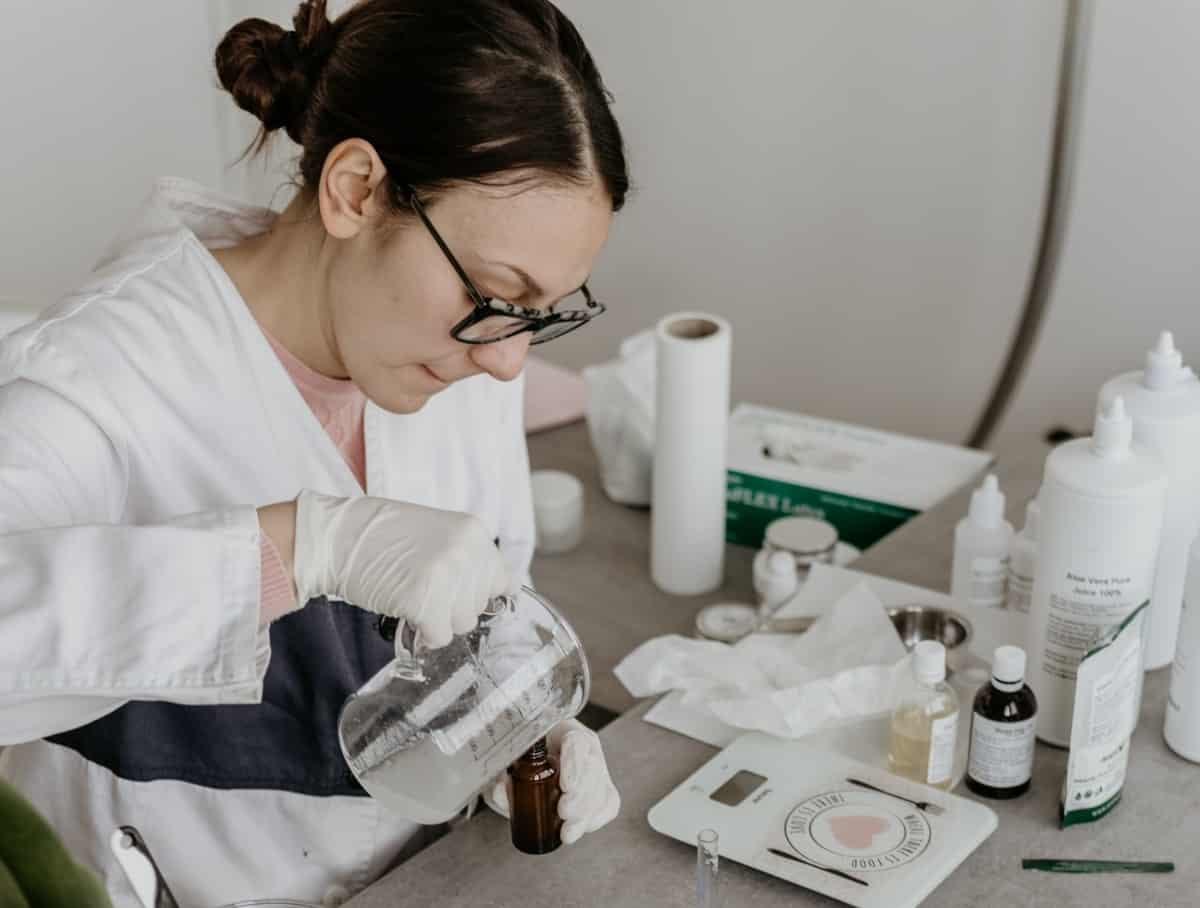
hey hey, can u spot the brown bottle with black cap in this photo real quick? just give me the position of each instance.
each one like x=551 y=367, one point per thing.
x=533 y=801
x=1000 y=761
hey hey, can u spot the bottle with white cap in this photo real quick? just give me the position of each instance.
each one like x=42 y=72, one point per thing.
x=981 y=550
x=1100 y=517
x=1022 y=560
x=924 y=727
x=776 y=579
x=1000 y=760
x=1163 y=401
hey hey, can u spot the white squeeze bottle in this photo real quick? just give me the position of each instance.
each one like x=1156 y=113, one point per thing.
x=1022 y=561
x=981 y=547
x=1164 y=403
x=1182 y=727
x=1100 y=518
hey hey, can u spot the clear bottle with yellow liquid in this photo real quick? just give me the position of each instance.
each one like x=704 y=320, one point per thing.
x=924 y=728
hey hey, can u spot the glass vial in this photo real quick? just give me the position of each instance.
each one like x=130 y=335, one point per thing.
x=1000 y=763
x=707 y=869
x=925 y=721
x=533 y=801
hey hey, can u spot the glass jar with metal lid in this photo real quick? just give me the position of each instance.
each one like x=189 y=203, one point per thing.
x=807 y=539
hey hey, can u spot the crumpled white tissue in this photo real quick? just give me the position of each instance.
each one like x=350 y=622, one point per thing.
x=842 y=670
x=620 y=418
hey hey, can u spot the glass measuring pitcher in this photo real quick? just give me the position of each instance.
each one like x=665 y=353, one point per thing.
x=433 y=727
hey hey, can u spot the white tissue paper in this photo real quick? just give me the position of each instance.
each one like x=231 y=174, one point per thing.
x=620 y=417
x=840 y=672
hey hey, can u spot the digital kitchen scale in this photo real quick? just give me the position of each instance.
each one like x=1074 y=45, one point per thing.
x=811 y=817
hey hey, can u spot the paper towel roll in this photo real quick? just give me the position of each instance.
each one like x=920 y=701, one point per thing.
x=687 y=517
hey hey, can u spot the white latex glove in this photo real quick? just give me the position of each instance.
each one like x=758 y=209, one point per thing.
x=589 y=798
x=435 y=569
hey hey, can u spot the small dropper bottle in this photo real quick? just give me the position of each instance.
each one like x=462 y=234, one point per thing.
x=979 y=577
x=1022 y=562
x=533 y=802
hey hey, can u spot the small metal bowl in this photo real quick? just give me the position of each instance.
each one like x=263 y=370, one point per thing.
x=915 y=623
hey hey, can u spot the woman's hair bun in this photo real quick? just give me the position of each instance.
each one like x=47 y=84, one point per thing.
x=270 y=71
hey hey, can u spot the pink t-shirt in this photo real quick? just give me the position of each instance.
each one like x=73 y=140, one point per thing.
x=338 y=405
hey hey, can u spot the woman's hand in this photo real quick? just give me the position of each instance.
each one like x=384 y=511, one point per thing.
x=435 y=569
x=589 y=797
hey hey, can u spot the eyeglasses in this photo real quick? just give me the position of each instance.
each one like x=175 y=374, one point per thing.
x=495 y=320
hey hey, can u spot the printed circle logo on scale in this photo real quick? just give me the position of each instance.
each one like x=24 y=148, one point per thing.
x=857 y=830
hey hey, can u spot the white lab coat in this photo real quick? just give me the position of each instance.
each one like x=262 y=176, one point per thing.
x=142 y=421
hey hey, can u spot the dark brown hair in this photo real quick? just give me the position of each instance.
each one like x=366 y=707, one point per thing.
x=446 y=91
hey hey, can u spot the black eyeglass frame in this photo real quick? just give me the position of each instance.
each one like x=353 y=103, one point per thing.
x=533 y=320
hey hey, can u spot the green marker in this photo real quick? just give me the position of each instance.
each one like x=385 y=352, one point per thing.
x=1052 y=865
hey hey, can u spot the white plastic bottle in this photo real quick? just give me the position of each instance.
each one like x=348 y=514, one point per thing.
x=981 y=547
x=1022 y=561
x=1182 y=728
x=924 y=728
x=1164 y=403
x=776 y=579
x=1100 y=517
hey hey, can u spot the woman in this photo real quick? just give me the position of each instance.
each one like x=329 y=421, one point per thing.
x=186 y=441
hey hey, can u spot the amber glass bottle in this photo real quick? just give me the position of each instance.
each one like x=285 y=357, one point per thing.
x=533 y=807
x=1000 y=761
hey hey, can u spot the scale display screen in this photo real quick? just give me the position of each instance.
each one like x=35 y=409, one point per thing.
x=738 y=787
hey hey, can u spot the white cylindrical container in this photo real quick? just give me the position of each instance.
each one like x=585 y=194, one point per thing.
x=981 y=548
x=1101 y=509
x=1164 y=403
x=557 y=510
x=687 y=517
x=1182 y=728
x=1022 y=560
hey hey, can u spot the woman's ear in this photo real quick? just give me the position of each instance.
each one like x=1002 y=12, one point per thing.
x=350 y=194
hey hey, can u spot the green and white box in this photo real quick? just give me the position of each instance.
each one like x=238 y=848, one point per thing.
x=863 y=481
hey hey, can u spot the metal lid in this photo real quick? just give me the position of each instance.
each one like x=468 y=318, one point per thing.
x=802 y=536
x=726 y=622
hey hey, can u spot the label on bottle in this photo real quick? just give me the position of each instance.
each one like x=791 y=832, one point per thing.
x=988 y=579
x=1001 y=752
x=1020 y=592
x=942 y=734
x=1179 y=693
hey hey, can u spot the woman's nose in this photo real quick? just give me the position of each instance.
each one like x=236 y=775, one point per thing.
x=504 y=359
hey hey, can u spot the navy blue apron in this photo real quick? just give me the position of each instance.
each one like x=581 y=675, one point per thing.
x=320 y=655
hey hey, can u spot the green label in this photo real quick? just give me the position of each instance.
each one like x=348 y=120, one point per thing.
x=752 y=502
x=1087 y=814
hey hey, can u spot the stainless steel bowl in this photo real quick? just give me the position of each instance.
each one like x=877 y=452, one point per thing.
x=915 y=623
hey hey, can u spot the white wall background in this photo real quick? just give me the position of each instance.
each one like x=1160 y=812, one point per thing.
x=857 y=186
x=98 y=99
x=1131 y=262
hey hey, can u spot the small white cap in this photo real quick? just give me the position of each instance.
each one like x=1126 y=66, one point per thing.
x=776 y=577
x=987 y=504
x=781 y=564
x=1164 y=365
x=554 y=488
x=802 y=536
x=1114 y=430
x=1032 y=511
x=929 y=662
x=1008 y=664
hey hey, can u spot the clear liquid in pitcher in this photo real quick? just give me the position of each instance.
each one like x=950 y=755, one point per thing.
x=426 y=748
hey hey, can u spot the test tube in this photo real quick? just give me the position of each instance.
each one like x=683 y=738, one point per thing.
x=707 y=859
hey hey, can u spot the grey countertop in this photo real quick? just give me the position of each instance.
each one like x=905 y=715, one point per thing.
x=606 y=590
